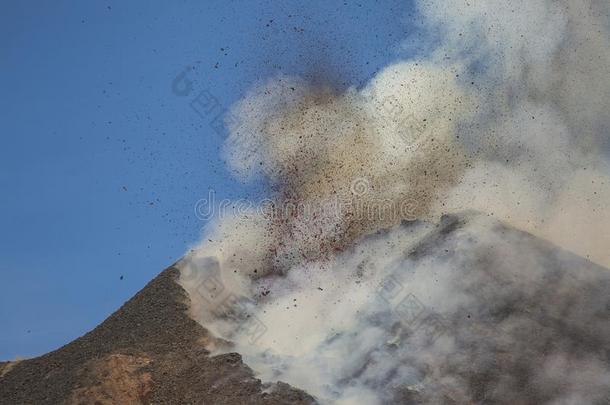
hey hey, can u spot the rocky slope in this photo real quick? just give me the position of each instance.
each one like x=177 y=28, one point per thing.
x=471 y=311
x=467 y=310
x=149 y=351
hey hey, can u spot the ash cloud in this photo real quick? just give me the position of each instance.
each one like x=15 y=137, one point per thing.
x=506 y=116
x=540 y=71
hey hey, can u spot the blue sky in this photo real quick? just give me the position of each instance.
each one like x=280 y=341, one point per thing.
x=101 y=163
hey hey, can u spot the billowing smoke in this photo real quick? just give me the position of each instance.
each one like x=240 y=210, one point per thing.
x=349 y=285
x=540 y=71
x=377 y=154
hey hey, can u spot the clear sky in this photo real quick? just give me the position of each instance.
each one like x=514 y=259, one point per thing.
x=101 y=162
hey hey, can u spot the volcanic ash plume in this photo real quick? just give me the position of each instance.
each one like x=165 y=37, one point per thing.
x=506 y=116
x=365 y=152
x=540 y=71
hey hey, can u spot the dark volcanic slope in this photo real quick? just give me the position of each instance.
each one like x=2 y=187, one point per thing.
x=476 y=312
x=149 y=351
x=512 y=320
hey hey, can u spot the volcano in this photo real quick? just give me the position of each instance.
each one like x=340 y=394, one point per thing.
x=149 y=351
x=502 y=318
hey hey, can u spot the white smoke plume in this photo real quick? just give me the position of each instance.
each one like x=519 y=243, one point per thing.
x=507 y=115
x=540 y=71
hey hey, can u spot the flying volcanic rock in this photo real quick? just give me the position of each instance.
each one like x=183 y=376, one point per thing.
x=464 y=311
x=148 y=352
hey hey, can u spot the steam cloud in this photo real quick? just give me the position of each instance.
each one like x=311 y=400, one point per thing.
x=507 y=115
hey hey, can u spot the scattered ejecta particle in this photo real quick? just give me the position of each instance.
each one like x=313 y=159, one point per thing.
x=359 y=175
